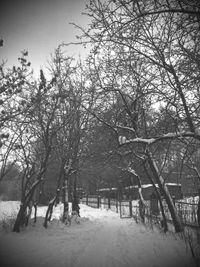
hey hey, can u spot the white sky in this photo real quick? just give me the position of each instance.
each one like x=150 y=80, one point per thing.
x=39 y=26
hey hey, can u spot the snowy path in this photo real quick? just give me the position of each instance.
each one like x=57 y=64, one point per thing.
x=102 y=240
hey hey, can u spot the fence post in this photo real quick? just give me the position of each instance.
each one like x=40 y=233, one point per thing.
x=98 y=202
x=87 y=200
x=130 y=208
x=109 y=201
x=198 y=209
x=120 y=208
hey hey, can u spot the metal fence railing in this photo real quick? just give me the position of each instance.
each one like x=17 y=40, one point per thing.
x=127 y=209
x=91 y=200
x=186 y=211
x=98 y=202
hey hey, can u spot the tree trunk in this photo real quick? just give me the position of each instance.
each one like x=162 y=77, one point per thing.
x=49 y=212
x=35 y=213
x=50 y=208
x=75 y=203
x=198 y=210
x=28 y=213
x=20 y=220
x=54 y=201
x=67 y=173
x=164 y=222
x=175 y=218
x=141 y=199
x=65 y=201
x=35 y=204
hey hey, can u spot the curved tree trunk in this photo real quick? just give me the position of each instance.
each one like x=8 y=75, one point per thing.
x=141 y=199
x=20 y=220
x=54 y=200
x=164 y=222
x=49 y=212
x=159 y=179
x=198 y=210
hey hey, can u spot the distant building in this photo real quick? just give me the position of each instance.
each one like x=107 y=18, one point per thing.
x=148 y=190
x=131 y=192
x=108 y=192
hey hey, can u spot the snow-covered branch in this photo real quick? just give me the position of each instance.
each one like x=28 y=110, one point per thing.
x=125 y=128
x=150 y=141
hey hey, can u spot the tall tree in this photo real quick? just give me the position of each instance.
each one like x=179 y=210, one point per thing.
x=146 y=47
x=37 y=141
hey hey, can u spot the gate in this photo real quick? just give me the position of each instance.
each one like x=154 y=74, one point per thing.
x=125 y=208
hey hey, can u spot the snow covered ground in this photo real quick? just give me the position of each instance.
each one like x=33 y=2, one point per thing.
x=101 y=239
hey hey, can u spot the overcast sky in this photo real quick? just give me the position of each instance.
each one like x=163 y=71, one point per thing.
x=39 y=26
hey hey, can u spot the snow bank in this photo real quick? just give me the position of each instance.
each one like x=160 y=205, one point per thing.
x=8 y=209
x=11 y=208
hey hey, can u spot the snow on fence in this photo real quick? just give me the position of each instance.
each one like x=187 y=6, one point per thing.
x=130 y=208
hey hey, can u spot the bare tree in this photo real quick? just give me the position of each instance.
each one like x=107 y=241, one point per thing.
x=68 y=141
x=42 y=128
x=156 y=43
x=13 y=84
